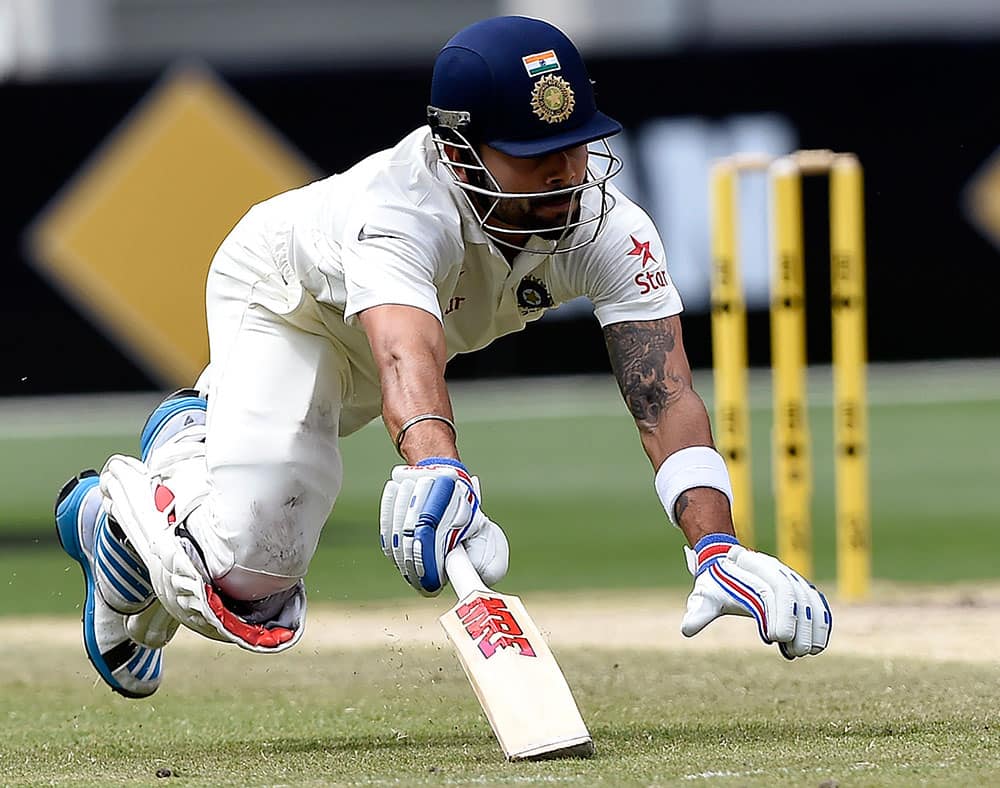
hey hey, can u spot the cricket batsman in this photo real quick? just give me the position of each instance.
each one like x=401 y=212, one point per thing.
x=343 y=300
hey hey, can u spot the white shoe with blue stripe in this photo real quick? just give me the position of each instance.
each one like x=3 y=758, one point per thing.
x=180 y=416
x=116 y=586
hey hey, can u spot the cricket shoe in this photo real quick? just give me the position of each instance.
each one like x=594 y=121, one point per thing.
x=181 y=416
x=116 y=586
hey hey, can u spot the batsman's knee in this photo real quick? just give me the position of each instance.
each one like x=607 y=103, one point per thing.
x=272 y=521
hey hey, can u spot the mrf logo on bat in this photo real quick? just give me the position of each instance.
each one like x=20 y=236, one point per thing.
x=488 y=621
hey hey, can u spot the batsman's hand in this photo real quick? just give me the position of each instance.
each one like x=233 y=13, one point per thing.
x=429 y=508
x=731 y=580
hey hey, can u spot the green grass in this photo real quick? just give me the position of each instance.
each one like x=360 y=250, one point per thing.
x=573 y=492
x=407 y=716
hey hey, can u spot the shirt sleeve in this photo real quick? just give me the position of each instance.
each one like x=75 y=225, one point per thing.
x=628 y=270
x=396 y=255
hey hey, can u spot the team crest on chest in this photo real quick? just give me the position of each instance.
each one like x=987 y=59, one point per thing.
x=532 y=295
x=552 y=99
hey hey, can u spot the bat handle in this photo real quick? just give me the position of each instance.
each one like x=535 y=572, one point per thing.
x=462 y=574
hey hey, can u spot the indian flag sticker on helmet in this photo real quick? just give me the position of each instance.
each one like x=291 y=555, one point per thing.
x=552 y=99
x=541 y=62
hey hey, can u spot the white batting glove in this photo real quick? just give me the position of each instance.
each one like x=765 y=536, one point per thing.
x=429 y=508
x=731 y=580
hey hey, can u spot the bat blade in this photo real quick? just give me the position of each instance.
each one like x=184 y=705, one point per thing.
x=516 y=678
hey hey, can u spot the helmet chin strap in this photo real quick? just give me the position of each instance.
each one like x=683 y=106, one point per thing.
x=480 y=187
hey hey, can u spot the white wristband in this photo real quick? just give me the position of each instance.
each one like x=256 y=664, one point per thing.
x=694 y=466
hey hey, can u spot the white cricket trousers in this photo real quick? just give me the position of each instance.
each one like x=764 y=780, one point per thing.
x=275 y=385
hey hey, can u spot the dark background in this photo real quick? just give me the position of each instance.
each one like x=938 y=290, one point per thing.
x=921 y=117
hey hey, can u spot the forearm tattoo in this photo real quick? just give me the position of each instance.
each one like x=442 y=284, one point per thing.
x=639 y=353
x=681 y=506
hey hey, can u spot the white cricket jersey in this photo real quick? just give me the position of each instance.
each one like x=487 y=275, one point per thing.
x=394 y=229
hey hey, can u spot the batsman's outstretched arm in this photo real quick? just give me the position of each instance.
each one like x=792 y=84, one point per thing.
x=654 y=376
x=693 y=484
x=432 y=503
x=409 y=348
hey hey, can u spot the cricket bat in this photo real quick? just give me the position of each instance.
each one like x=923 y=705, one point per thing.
x=517 y=680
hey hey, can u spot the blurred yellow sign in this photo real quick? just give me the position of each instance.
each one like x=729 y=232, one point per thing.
x=982 y=199
x=130 y=238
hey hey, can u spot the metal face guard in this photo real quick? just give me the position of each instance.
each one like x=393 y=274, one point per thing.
x=597 y=178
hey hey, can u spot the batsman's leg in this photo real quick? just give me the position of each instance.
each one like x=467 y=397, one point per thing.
x=124 y=626
x=227 y=524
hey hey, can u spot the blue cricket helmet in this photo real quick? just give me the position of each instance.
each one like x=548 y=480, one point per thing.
x=518 y=85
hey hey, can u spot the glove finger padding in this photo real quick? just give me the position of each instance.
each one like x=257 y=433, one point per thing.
x=780 y=603
x=801 y=643
x=385 y=519
x=815 y=621
x=804 y=627
x=822 y=620
x=404 y=492
x=418 y=528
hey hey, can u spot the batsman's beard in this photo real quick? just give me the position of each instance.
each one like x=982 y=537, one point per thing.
x=554 y=215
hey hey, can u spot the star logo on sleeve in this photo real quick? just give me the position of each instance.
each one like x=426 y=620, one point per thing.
x=641 y=249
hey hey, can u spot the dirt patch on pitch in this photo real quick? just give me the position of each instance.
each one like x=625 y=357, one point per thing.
x=960 y=623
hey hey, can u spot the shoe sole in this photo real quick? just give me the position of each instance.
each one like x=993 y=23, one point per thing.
x=67 y=529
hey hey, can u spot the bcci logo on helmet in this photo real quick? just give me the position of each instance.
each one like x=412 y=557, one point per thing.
x=552 y=99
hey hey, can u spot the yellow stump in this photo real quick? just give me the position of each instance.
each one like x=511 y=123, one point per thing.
x=849 y=359
x=791 y=449
x=791 y=444
x=729 y=347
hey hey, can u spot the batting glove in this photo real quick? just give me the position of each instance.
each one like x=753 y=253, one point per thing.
x=731 y=580
x=429 y=508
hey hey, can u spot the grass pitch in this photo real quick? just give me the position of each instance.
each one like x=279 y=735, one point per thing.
x=564 y=473
x=405 y=715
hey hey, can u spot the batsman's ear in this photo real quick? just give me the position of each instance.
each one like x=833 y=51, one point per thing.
x=459 y=156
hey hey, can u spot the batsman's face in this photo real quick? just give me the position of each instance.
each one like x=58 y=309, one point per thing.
x=542 y=174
